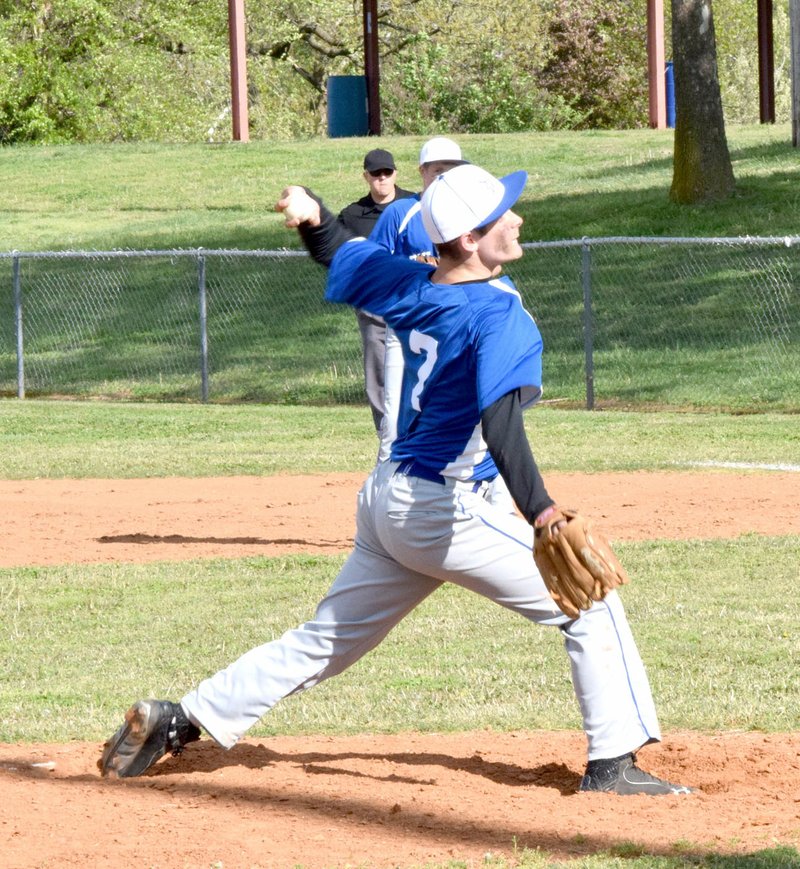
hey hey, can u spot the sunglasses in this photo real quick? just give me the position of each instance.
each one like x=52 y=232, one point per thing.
x=382 y=173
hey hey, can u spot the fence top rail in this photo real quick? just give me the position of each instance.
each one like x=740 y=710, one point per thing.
x=785 y=240
x=586 y=241
x=193 y=252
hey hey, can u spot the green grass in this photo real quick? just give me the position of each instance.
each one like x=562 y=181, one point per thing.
x=673 y=325
x=99 y=439
x=691 y=602
x=706 y=328
x=78 y=643
x=718 y=657
x=629 y=856
x=221 y=196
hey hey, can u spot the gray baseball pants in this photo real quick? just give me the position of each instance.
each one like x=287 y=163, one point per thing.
x=413 y=535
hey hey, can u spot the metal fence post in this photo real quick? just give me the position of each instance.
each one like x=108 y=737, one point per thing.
x=18 y=326
x=201 y=281
x=588 y=333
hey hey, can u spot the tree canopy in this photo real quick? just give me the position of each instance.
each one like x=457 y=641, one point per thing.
x=117 y=70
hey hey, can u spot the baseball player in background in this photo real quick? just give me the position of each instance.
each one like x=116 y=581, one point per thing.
x=473 y=362
x=360 y=217
x=400 y=228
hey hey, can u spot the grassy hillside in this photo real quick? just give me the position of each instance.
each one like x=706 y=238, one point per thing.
x=130 y=330
x=221 y=196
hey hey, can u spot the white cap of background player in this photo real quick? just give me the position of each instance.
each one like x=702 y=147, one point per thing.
x=467 y=197
x=440 y=150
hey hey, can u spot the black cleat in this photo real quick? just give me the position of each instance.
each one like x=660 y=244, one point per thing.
x=620 y=775
x=151 y=729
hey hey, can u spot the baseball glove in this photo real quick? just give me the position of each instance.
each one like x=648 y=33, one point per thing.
x=426 y=258
x=575 y=560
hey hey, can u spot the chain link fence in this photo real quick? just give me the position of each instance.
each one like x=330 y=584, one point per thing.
x=688 y=323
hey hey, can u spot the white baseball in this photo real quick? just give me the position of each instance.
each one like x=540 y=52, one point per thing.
x=300 y=206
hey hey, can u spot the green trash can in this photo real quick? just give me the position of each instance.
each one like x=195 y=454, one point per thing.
x=347 y=106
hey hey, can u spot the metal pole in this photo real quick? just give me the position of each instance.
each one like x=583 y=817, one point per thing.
x=766 y=64
x=18 y=327
x=656 y=64
x=238 y=45
x=588 y=336
x=794 y=38
x=201 y=282
x=371 y=66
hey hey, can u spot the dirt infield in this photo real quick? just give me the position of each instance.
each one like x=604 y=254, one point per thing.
x=92 y=521
x=375 y=801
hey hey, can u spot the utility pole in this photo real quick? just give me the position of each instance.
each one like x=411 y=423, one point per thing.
x=238 y=44
x=371 y=66
x=656 y=64
x=766 y=63
x=794 y=27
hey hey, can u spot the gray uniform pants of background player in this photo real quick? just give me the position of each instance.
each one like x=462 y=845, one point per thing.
x=412 y=535
x=373 y=344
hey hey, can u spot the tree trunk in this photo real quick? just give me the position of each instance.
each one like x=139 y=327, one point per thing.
x=701 y=164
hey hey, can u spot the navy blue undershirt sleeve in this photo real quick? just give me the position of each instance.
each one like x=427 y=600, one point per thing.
x=504 y=433
x=324 y=240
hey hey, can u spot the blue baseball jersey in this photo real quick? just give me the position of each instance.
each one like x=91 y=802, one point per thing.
x=400 y=229
x=464 y=346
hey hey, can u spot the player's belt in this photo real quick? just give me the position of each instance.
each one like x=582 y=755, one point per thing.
x=413 y=468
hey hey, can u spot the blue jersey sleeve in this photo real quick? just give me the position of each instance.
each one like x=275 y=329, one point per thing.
x=400 y=229
x=387 y=227
x=509 y=352
x=366 y=276
x=414 y=239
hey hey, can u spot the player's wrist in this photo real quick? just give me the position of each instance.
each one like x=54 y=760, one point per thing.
x=543 y=515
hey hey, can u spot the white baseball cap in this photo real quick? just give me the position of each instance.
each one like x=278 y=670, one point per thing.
x=440 y=150
x=467 y=197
